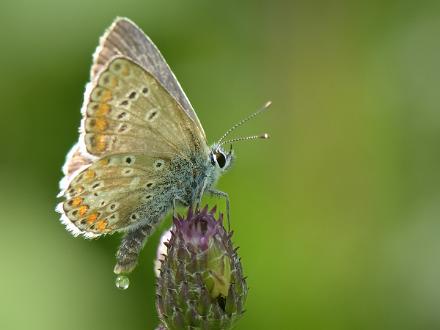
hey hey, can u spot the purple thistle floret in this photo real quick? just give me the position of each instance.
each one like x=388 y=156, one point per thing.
x=200 y=283
x=197 y=229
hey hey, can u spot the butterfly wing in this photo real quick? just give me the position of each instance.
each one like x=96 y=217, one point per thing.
x=76 y=161
x=127 y=110
x=126 y=39
x=114 y=193
x=131 y=130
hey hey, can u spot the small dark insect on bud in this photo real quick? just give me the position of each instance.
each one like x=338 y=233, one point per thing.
x=200 y=282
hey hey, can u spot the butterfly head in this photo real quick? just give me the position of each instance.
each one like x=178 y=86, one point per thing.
x=221 y=159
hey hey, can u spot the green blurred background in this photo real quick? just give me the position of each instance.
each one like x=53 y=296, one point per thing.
x=337 y=216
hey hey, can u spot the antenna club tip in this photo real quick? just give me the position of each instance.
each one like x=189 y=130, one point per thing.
x=267 y=104
x=265 y=136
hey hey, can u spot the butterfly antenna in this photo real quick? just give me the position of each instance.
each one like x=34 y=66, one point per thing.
x=241 y=122
x=246 y=138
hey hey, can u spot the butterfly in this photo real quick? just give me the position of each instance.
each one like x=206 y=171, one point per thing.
x=141 y=148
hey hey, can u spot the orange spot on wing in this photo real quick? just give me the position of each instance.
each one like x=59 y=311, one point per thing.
x=101 y=225
x=103 y=161
x=76 y=201
x=83 y=209
x=92 y=217
x=90 y=174
x=100 y=142
x=106 y=96
x=103 y=109
x=101 y=124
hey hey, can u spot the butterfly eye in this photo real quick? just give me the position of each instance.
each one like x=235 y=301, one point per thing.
x=221 y=159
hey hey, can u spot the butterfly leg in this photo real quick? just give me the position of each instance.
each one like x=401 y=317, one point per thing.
x=130 y=248
x=224 y=195
x=175 y=200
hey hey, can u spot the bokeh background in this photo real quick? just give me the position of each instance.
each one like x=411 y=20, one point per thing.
x=337 y=216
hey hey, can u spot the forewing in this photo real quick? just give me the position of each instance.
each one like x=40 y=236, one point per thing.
x=127 y=110
x=126 y=39
x=109 y=195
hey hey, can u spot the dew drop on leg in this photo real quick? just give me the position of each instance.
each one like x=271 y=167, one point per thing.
x=122 y=282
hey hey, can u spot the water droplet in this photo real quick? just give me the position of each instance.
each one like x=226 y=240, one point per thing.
x=122 y=282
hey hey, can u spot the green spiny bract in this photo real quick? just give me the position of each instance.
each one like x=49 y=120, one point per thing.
x=200 y=283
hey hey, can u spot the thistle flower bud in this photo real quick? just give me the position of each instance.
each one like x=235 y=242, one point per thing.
x=200 y=283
